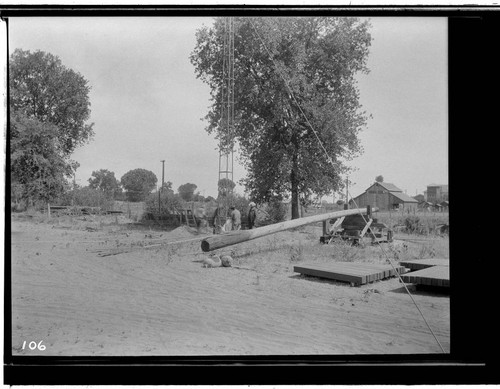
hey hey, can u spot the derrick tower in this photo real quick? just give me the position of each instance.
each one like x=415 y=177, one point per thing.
x=226 y=138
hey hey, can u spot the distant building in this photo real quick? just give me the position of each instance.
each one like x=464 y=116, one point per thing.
x=385 y=197
x=419 y=198
x=436 y=193
x=425 y=205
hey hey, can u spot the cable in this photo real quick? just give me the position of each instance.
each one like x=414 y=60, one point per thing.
x=293 y=97
x=401 y=280
x=331 y=162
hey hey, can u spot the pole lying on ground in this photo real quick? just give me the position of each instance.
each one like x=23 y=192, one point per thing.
x=218 y=241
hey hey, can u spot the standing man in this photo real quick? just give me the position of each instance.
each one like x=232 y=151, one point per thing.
x=235 y=218
x=201 y=218
x=251 y=215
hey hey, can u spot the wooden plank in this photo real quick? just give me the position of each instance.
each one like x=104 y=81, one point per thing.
x=386 y=269
x=433 y=276
x=335 y=227
x=339 y=266
x=366 y=228
x=356 y=279
x=418 y=264
x=358 y=273
x=371 y=273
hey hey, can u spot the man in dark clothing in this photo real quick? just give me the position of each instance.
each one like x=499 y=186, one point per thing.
x=251 y=215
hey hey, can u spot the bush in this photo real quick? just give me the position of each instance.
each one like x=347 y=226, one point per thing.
x=239 y=202
x=274 y=212
x=169 y=201
x=86 y=197
x=413 y=225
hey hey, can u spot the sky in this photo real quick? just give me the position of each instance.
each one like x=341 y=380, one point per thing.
x=147 y=104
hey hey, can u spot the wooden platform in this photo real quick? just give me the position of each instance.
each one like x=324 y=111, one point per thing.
x=430 y=276
x=354 y=273
x=418 y=264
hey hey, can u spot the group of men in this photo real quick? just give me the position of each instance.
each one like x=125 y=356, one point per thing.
x=233 y=223
x=236 y=217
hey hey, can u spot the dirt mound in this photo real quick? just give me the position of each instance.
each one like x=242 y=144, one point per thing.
x=183 y=232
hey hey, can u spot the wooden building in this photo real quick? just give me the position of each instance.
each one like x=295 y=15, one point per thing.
x=385 y=197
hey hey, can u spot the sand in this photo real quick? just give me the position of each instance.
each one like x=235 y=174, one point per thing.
x=162 y=301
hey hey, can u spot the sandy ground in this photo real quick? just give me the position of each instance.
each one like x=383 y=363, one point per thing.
x=162 y=301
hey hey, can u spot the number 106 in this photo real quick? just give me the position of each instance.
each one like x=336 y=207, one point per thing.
x=34 y=345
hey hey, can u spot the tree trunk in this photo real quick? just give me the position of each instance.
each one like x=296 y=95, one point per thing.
x=295 y=187
x=234 y=237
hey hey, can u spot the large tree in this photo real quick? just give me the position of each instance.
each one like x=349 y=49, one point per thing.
x=38 y=171
x=105 y=181
x=225 y=186
x=138 y=183
x=295 y=96
x=49 y=107
x=186 y=191
x=41 y=87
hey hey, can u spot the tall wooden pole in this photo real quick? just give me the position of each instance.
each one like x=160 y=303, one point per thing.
x=219 y=241
x=161 y=188
x=162 y=173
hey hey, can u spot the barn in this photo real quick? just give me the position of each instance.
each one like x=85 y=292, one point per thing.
x=385 y=197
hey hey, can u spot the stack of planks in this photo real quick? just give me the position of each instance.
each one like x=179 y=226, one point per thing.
x=354 y=273
x=429 y=272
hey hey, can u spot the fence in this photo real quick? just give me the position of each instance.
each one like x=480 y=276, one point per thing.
x=131 y=210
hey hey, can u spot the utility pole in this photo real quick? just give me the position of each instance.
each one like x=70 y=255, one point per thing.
x=162 y=173
x=161 y=188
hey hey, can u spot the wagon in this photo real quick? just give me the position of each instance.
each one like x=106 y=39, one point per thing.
x=356 y=229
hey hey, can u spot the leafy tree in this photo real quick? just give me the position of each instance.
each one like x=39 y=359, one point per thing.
x=317 y=59
x=198 y=197
x=105 y=181
x=38 y=171
x=167 y=187
x=49 y=107
x=186 y=191
x=138 y=183
x=225 y=186
x=379 y=179
x=41 y=87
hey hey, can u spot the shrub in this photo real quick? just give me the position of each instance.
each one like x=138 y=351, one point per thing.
x=86 y=197
x=240 y=203
x=169 y=201
x=273 y=212
x=413 y=225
